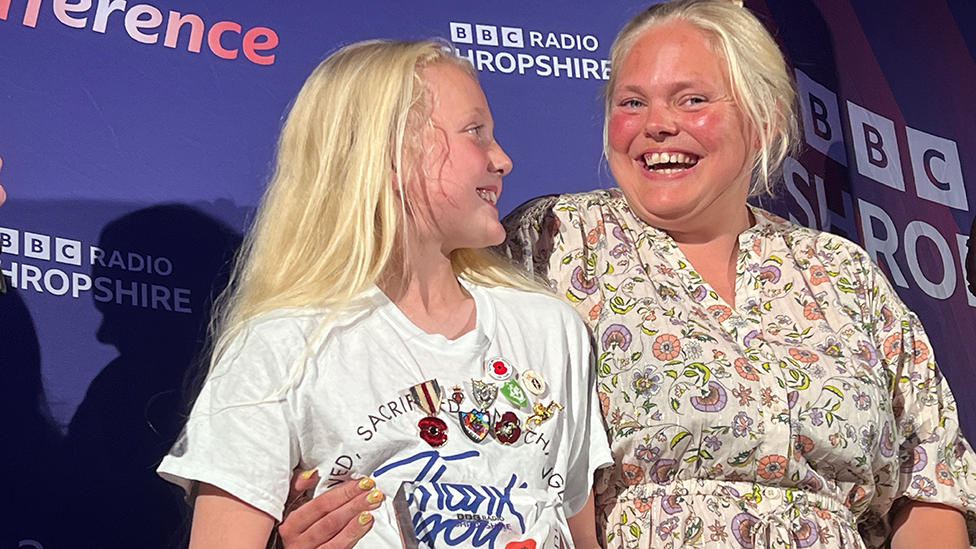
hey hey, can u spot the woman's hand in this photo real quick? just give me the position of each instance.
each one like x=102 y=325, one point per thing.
x=336 y=519
x=3 y=195
x=921 y=524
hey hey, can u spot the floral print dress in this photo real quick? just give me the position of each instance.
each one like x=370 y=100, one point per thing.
x=793 y=418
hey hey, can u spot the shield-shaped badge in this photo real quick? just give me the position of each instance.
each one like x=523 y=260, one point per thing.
x=484 y=394
x=514 y=393
x=475 y=424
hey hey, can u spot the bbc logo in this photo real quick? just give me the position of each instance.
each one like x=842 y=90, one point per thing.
x=38 y=246
x=487 y=35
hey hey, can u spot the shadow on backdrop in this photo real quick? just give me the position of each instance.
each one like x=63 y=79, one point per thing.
x=802 y=31
x=30 y=439
x=135 y=407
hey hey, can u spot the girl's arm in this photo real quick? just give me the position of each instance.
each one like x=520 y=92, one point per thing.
x=222 y=520
x=921 y=524
x=582 y=526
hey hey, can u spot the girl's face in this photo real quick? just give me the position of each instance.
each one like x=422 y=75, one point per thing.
x=678 y=145
x=453 y=205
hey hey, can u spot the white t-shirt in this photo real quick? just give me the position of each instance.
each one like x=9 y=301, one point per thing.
x=348 y=412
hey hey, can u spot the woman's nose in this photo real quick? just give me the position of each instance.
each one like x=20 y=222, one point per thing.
x=660 y=122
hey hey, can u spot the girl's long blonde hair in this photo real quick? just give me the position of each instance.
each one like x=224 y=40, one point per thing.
x=330 y=221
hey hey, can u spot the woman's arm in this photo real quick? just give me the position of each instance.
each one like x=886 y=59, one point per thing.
x=222 y=520
x=582 y=526
x=921 y=524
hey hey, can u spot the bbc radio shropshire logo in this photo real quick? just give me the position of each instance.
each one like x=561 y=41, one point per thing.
x=49 y=264
x=515 y=50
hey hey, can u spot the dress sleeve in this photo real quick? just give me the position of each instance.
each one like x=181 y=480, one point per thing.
x=937 y=462
x=531 y=230
x=239 y=436
x=557 y=237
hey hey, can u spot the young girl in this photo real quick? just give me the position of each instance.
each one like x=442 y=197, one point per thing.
x=367 y=334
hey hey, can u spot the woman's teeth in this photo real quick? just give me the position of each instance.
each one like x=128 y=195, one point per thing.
x=669 y=162
x=487 y=195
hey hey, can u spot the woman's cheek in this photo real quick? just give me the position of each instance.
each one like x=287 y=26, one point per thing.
x=621 y=131
x=718 y=127
x=706 y=124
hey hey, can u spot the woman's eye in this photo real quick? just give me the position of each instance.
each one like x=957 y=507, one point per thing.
x=696 y=100
x=476 y=130
x=631 y=103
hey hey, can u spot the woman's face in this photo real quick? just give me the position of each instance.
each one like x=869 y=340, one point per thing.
x=679 y=147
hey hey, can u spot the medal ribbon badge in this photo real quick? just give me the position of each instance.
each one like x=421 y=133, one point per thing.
x=427 y=395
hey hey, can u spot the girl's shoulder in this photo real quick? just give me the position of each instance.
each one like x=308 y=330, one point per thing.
x=287 y=328
x=271 y=336
x=534 y=309
x=285 y=321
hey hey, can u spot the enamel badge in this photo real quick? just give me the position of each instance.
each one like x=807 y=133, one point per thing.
x=433 y=431
x=499 y=369
x=514 y=393
x=475 y=424
x=507 y=429
x=533 y=382
x=484 y=394
x=458 y=395
x=541 y=412
x=427 y=395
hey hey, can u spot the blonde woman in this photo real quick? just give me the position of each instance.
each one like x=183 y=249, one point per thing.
x=366 y=335
x=762 y=383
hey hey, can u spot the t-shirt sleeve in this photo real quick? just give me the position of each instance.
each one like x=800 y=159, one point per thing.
x=937 y=462
x=239 y=436
x=589 y=447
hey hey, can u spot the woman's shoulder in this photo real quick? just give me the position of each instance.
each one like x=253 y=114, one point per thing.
x=535 y=211
x=811 y=241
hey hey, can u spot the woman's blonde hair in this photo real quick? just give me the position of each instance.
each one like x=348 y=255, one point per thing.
x=329 y=224
x=761 y=83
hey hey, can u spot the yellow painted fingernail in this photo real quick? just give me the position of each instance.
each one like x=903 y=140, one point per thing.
x=366 y=483
x=365 y=517
x=374 y=496
x=308 y=474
